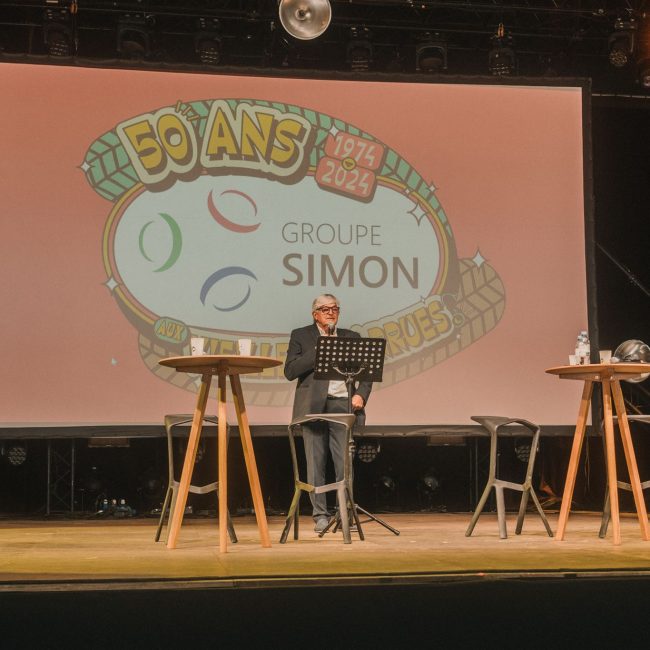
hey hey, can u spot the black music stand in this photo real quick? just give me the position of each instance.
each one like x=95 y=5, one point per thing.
x=352 y=359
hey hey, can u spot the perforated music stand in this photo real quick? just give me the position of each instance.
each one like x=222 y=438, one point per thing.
x=352 y=359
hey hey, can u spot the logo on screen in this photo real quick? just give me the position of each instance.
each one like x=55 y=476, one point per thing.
x=227 y=217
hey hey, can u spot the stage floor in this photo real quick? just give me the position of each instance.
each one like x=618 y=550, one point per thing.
x=91 y=554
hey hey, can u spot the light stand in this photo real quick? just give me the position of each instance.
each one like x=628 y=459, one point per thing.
x=351 y=359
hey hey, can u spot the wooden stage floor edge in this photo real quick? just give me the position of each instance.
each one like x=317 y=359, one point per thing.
x=314 y=581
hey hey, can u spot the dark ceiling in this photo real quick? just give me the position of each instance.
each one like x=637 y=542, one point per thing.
x=548 y=38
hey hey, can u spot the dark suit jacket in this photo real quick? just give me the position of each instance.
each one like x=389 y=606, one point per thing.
x=311 y=394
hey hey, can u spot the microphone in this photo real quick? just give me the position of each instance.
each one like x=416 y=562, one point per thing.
x=330 y=329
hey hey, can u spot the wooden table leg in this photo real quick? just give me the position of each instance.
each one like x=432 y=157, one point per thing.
x=574 y=459
x=190 y=458
x=610 y=457
x=249 y=457
x=223 y=463
x=630 y=459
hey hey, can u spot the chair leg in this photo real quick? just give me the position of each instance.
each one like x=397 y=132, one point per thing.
x=296 y=519
x=231 y=530
x=342 y=496
x=165 y=506
x=522 y=510
x=607 y=515
x=501 y=512
x=290 y=517
x=540 y=510
x=479 y=509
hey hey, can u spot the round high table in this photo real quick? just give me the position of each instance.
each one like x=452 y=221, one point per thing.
x=223 y=366
x=609 y=375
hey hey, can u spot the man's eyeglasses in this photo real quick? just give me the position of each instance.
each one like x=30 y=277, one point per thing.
x=328 y=310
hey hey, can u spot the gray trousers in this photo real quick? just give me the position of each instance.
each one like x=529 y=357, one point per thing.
x=318 y=438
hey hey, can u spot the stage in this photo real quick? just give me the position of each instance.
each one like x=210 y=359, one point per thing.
x=106 y=584
x=91 y=554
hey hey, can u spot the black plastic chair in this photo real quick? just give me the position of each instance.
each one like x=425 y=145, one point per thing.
x=169 y=504
x=493 y=424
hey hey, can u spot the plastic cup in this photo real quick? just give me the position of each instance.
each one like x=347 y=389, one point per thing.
x=574 y=360
x=197 y=346
x=605 y=356
x=244 y=347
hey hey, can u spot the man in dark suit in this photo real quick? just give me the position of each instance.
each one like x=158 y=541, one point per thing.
x=321 y=396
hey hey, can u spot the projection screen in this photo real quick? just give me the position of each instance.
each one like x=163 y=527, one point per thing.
x=141 y=209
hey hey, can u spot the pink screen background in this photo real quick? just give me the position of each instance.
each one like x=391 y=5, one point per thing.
x=507 y=162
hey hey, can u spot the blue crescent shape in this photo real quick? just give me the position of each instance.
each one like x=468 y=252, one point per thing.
x=219 y=275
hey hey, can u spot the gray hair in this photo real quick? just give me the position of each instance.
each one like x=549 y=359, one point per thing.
x=323 y=299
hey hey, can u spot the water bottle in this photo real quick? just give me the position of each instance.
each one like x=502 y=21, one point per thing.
x=584 y=351
x=578 y=350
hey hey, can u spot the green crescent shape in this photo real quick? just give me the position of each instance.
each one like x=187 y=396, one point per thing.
x=177 y=243
x=141 y=241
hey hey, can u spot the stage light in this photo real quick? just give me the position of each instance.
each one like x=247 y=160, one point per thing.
x=16 y=454
x=429 y=481
x=621 y=42
x=501 y=58
x=386 y=483
x=522 y=450
x=208 y=41
x=134 y=36
x=58 y=32
x=431 y=54
x=359 y=49
x=305 y=19
x=633 y=351
x=368 y=451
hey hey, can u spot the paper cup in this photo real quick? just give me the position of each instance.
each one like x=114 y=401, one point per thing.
x=245 y=347
x=605 y=356
x=197 y=346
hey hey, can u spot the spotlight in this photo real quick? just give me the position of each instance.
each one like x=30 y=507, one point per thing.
x=387 y=483
x=501 y=58
x=16 y=454
x=429 y=481
x=305 y=19
x=134 y=36
x=359 y=49
x=368 y=451
x=621 y=42
x=207 y=42
x=58 y=31
x=522 y=449
x=431 y=54
x=428 y=487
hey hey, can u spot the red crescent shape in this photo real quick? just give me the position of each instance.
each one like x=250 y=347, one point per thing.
x=226 y=223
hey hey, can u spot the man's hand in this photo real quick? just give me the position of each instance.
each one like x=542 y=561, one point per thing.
x=357 y=402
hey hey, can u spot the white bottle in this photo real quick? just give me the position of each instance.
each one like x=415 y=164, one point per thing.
x=585 y=352
x=578 y=351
